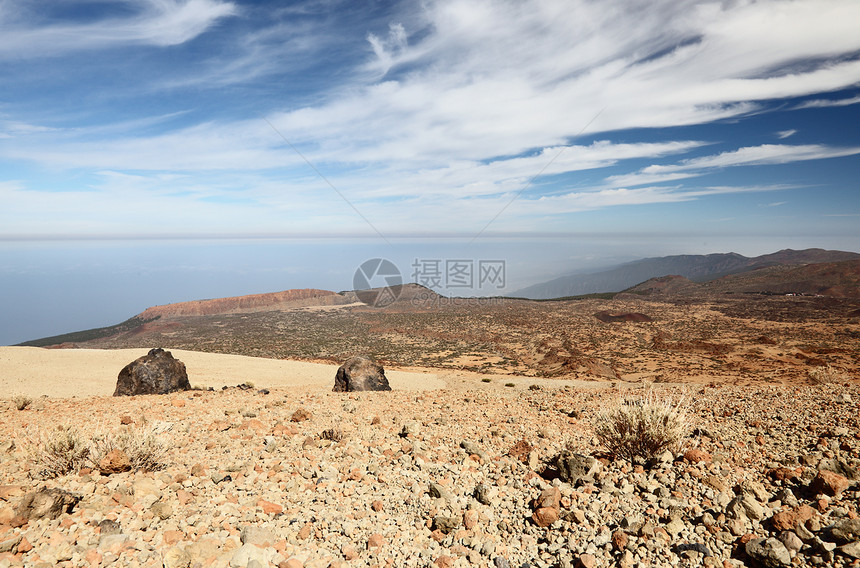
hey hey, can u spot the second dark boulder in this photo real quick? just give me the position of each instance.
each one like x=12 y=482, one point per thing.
x=360 y=374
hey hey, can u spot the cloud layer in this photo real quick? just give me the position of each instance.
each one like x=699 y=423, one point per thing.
x=429 y=115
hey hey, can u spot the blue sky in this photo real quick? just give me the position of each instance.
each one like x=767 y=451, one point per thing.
x=690 y=126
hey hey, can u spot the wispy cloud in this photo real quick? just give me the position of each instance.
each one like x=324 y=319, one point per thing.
x=765 y=154
x=151 y=22
x=432 y=114
x=824 y=103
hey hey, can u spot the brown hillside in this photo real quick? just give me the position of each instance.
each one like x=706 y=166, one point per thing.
x=252 y=303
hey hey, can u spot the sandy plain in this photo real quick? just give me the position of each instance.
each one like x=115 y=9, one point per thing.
x=66 y=373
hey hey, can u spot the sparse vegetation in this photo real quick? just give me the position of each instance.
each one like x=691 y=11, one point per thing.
x=21 y=401
x=643 y=427
x=826 y=375
x=510 y=385
x=486 y=380
x=332 y=434
x=142 y=445
x=66 y=450
x=59 y=452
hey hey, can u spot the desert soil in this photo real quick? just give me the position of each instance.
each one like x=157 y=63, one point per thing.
x=448 y=469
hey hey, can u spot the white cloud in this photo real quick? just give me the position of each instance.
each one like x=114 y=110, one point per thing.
x=155 y=22
x=783 y=134
x=765 y=154
x=823 y=103
x=452 y=111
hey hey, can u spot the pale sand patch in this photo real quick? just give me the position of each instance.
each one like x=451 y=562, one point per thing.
x=34 y=371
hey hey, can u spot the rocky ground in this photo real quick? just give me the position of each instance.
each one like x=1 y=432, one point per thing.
x=464 y=476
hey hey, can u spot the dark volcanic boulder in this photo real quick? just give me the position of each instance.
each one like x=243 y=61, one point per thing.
x=44 y=504
x=360 y=374
x=157 y=372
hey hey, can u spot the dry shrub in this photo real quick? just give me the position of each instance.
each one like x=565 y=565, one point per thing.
x=22 y=401
x=144 y=448
x=332 y=434
x=65 y=450
x=644 y=427
x=827 y=375
x=59 y=452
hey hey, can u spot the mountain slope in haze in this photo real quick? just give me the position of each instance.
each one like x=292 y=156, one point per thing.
x=154 y=317
x=699 y=268
x=251 y=303
x=833 y=279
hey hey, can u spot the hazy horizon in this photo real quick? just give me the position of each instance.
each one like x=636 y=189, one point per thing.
x=162 y=151
x=53 y=288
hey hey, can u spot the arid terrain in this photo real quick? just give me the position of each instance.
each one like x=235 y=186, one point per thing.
x=723 y=338
x=451 y=475
x=486 y=453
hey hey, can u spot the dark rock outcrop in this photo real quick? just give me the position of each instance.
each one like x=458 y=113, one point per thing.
x=44 y=504
x=360 y=374
x=576 y=468
x=157 y=372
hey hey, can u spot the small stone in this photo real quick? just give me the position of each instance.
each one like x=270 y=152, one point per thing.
x=248 y=553
x=177 y=557
x=410 y=429
x=695 y=456
x=445 y=524
x=257 y=535
x=745 y=505
x=172 y=537
x=470 y=519
x=788 y=520
x=439 y=492
x=300 y=415
x=791 y=541
x=619 y=540
x=375 y=541
x=586 y=561
x=270 y=508
x=549 y=498
x=545 y=516
x=844 y=531
x=484 y=494
x=829 y=483
x=349 y=552
x=377 y=505
x=769 y=552
x=108 y=526
x=9 y=545
x=115 y=461
x=576 y=468
x=162 y=510
x=852 y=550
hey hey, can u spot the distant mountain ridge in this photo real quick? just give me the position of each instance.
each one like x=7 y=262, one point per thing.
x=833 y=279
x=698 y=268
